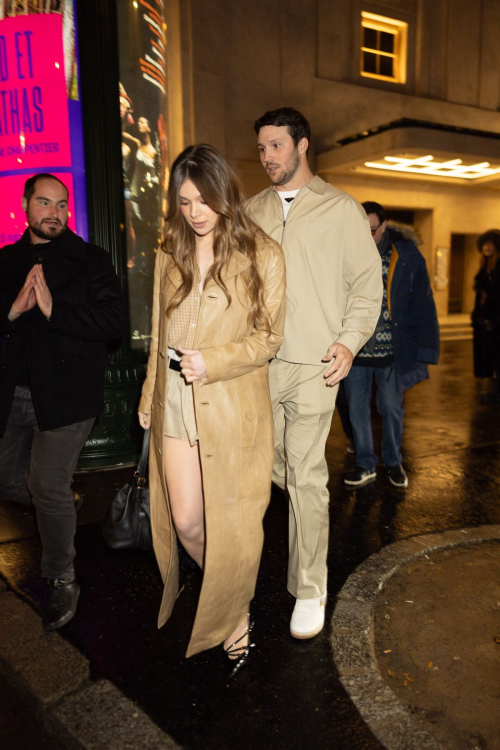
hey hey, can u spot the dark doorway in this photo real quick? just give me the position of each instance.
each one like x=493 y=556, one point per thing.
x=400 y=216
x=456 y=284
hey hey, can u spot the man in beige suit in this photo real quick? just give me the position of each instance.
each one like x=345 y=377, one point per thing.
x=334 y=296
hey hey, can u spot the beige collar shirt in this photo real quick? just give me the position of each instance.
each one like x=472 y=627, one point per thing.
x=333 y=269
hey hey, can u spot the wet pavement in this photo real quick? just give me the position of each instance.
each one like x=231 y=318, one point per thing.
x=290 y=695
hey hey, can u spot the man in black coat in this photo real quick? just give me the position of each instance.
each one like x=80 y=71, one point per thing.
x=60 y=300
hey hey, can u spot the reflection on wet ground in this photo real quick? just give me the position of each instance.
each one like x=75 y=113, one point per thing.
x=289 y=696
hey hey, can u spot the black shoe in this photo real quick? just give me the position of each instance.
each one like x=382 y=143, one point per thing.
x=397 y=476
x=63 y=598
x=239 y=654
x=360 y=477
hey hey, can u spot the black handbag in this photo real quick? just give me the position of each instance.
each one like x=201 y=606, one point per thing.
x=128 y=523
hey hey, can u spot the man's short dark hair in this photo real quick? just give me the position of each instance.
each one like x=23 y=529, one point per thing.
x=29 y=185
x=375 y=208
x=288 y=117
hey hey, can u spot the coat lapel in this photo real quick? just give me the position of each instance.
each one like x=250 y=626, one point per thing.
x=172 y=272
x=64 y=260
x=59 y=273
x=237 y=264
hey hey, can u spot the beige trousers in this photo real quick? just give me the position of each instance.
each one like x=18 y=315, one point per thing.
x=303 y=408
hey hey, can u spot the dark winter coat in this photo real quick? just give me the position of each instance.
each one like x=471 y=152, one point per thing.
x=486 y=323
x=66 y=355
x=414 y=323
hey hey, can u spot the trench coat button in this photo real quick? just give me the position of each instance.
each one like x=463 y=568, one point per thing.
x=250 y=415
x=159 y=451
x=160 y=403
x=162 y=354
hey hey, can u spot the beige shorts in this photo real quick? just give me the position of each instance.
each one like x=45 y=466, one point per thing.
x=180 y=420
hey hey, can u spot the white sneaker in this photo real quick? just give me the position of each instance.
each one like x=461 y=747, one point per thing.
x=308 y=617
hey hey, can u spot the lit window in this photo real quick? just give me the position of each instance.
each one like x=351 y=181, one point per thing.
x=383 y=48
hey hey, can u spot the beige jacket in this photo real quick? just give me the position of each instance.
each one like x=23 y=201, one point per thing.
x=333 y=269
x=235 y=429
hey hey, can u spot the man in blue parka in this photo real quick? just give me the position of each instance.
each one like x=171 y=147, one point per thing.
x=405 y=341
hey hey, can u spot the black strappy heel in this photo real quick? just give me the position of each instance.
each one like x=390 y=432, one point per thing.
x=243 y=652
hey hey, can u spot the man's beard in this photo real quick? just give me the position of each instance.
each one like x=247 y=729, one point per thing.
x=289 y=171
x=47 y=234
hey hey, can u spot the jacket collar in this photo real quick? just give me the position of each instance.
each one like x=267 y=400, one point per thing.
x=68 y=244
x=237 y=264
x=406 y=247
x=317 y=185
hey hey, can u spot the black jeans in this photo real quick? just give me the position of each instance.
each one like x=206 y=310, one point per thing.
x=39 y=466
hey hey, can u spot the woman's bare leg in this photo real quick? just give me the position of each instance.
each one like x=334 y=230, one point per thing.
x=182 y=467
x=185 y=491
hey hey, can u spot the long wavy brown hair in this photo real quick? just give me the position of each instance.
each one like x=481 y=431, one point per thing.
x=234 y=230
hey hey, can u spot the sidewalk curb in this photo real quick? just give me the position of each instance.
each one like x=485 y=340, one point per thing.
x=352 y=637
x=52 y=679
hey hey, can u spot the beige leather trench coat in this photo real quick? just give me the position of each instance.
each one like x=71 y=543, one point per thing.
x=235 y=429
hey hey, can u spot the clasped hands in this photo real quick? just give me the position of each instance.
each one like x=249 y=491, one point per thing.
x=342 y=363
x=34 y=292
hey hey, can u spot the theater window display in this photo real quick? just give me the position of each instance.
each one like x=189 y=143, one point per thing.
x=142 y=39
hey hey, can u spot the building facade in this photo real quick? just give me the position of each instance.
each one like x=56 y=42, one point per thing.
x=417 y=81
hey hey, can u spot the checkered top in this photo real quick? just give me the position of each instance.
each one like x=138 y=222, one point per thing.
x=182 y=328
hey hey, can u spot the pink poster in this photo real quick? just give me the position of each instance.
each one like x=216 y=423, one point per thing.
x=34 y=120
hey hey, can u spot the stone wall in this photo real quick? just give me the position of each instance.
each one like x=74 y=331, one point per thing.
x=241 y=58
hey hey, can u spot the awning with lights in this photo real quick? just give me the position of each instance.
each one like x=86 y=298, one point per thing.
x=418 y=151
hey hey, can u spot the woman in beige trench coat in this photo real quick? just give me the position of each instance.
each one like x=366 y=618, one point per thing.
x=218 y=318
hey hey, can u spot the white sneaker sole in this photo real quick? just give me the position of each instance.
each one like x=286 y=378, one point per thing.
x=399 y=484
x=304 y=636
x=361 y=482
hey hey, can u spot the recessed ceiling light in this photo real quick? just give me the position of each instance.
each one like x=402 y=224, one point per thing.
x=426 y=165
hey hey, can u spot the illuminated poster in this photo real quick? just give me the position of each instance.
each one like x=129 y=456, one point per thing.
x=40 y=115
x=142 y=42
